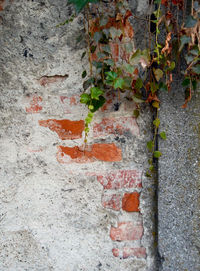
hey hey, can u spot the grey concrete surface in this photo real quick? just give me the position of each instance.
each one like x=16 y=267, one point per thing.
x=179 y=182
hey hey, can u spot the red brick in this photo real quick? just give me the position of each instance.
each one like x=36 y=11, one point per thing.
x=35 y=104
x=111 y=201
x=139 y=252
x=130 y=202
x=115 y=252
x=92 y=153
x=127 y=252
x=121 y=179
x=66 y=129
x=126 y=231
x=116 y=126
x=48 y=80
x=2 y=4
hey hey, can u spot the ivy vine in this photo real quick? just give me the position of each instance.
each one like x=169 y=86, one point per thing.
x=109 y=32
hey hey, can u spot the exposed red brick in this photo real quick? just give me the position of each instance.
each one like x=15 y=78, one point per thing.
x=139 y=252
x=115 y=252
x=126 y=231
x=72 y=100
x=66 y=129
x=121 y=179
x=92 y=153
x=130 y=202
x=47 y=80
x=127 y=252
x=115 y=126
x=35 y=105
x=2 y=4
x=111 y=201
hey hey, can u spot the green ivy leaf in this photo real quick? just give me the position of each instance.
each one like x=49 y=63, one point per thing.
x=118 y=83
x=148 y=175
x=157 y=1
x=137 y=100
x=93 y=48
x=163 y=135
x=196 y=69
x=88 y=83
x=151 y=168
x=195 y=52
x=80 y=4
x=98 y=65
x=138 y=83
x=84 y=74
x=158 y=74
x=194 y=84
x=184 y=40
x=95 y=93
x=98 y=103
x=127 y=82
x=106 y=48
x=85 y=98
x=156 y=104
x=111 y=76
x=109 y=62
x=136 y=57
x=172 y=66
x=101 y=55
x=114 y=32
x=157 y=154
x=189 y=58
x=190 y=22
x=91 y=107
x=154 y=87
x=136 y=113
x=83 y=54
x=150 y=145
x=162 y=86
x=156 y=122
x=129 y=68
x=186 y=82
x=97 y=36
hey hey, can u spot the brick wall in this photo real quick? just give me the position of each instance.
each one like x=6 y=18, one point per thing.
x=66 y=206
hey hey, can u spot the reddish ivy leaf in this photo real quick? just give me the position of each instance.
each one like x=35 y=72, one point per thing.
x=164 y=2
x=178 y=3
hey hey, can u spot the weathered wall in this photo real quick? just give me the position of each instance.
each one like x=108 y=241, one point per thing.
x=64 y=208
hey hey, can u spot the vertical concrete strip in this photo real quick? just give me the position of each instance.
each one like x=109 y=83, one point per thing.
x=179 y=183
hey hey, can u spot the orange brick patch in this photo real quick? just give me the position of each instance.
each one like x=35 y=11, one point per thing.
x=126 y=231
x=92 y=153
x=66 y=129
x=130 y=202
x=127 y=252
x=35 y=105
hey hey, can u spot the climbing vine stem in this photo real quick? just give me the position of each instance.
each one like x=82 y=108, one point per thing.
x=117 y=66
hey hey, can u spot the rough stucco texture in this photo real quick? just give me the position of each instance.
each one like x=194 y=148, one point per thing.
x=178 y=201
x=64 y=208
